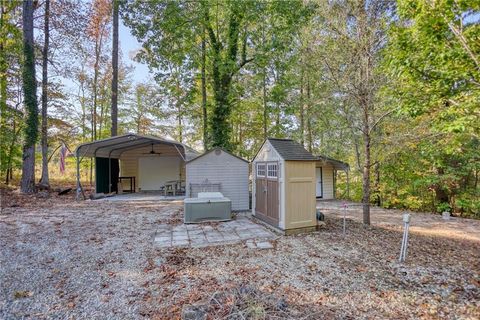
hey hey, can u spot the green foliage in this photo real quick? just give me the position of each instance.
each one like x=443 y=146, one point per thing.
x=294 y=69
x=10 y=115
x=434 y=54
x=443 y=206
x=235 y=34
x=468 y=204
x=433 y=60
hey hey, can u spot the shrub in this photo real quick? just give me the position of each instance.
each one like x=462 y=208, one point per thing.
x=444 y=206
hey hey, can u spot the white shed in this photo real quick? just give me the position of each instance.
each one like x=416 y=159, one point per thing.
x=219 y=170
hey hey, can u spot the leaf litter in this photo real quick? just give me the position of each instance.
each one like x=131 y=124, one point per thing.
x=97 y=259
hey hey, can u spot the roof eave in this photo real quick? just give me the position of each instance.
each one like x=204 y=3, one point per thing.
x=336 y=163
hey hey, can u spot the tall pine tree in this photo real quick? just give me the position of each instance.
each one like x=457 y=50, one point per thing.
x=30 y=99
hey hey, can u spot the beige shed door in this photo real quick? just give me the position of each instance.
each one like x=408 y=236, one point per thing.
x=154 y=171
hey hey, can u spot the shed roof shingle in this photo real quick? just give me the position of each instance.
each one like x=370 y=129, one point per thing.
x=291 y=150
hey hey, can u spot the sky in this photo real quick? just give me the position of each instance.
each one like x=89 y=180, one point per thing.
x=129 y=45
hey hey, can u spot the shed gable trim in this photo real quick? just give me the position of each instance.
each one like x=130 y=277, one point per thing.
x=259 y=149
x=266 y=147
x=214 y=149
x=288 y=149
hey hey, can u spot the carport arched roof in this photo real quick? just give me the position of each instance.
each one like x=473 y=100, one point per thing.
x=113 y=147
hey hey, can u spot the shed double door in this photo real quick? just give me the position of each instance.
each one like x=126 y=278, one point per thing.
x=267 y=192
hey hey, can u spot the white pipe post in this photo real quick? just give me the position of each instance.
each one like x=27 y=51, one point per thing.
x=403 y=248
x=344 y=218
x=406 y=242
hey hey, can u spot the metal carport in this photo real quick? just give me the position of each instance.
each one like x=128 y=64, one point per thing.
x=114 y=147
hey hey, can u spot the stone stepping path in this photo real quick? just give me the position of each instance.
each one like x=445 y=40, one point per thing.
x=204 y=235
x=259 y=244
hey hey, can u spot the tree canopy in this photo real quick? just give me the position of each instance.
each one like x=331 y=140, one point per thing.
x=391 y=87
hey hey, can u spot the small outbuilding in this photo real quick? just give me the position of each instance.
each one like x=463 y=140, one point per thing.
x=287 y=181
x=219 y=170
x=137 y=163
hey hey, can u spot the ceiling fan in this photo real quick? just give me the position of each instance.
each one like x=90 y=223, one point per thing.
x=152 y=152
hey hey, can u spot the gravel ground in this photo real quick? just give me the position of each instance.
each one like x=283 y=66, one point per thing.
x=421 y=222
x=96 y=260
x=81 y=261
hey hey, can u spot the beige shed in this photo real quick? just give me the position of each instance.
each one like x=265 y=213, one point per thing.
x=287 y=181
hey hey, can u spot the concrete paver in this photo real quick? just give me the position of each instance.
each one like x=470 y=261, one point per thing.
x=204 y=235
x=264 y=245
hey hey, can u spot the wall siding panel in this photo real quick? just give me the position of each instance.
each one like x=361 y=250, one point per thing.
x=129 y=161
x=300 y=201
x=327 y=179
x=226 y=169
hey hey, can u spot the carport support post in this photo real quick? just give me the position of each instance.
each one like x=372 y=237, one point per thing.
x=109 y=174
x=79 y=190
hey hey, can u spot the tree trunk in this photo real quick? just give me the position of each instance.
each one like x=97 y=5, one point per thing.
x=204 y=95
x=178 y=106
x=3 y=89
x=91 y=172
x=378 y=200
x=138 y=96
x=278 y=120
x=114 y=110
x=220 y=127
x=366 y=180
x=101 y=118
x=264 y=84
x=27 y=184
x=94 y=107
x=240 y=133
x=84 y=112
x=225 y=66
x=302 y=112
x=364 y=94
x=441 y=195
x=265 y=106
x=16 y=132
x=309 y=117
x=9 y=164
x=98 y=44
x=476 y=181
x=98 y=48
x=179 y=119
x=44 y=180
x=7 y=176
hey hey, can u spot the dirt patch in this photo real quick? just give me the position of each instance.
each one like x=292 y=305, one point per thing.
x=12 y=198
x=425 y=223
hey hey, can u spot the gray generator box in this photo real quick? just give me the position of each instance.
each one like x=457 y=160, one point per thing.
x=205 y=208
